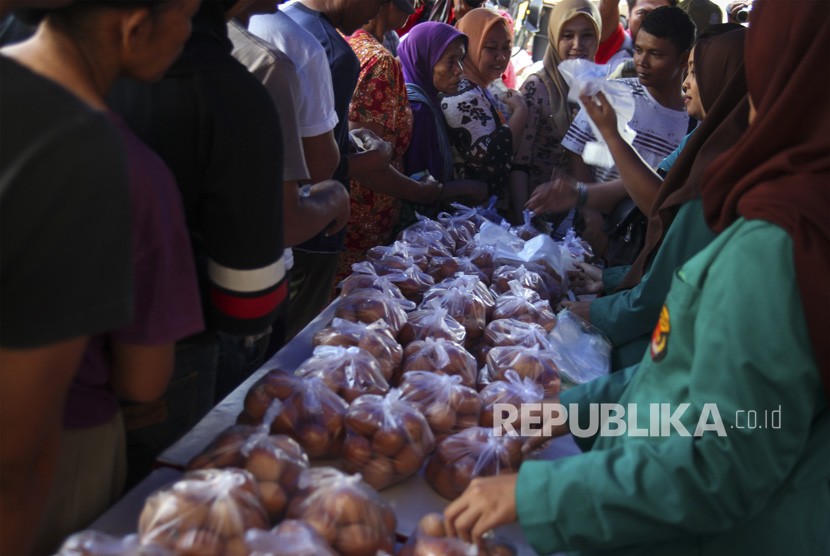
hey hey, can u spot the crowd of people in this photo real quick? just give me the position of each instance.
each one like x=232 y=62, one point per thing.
x=183 y=183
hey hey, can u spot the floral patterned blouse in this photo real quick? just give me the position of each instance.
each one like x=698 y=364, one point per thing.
x=479 y=136
x=539 y=151
x=379 y=98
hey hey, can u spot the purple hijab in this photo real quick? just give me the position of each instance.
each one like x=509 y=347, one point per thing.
x=419 y=52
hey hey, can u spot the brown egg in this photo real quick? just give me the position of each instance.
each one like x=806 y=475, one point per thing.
x=314 y=439
x=264 y=465
x=274 y=498
x=363 y=421
x=225 y=518
x=441 y=417
x=236 y=546
x=357 y=540
x=324 y=526
x=357 y=452
x=379 y=473
x=199 y=542
x=439 y=479
x=432 y=525
x=408 y=461
x=387 y=442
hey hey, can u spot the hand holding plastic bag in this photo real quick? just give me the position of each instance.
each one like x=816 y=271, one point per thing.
x=587 y=78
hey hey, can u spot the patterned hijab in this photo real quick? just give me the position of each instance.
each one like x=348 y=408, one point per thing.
x=420 y=51
x=476 y=25
x=557 y=87
x=721 y=82
x=779 y=170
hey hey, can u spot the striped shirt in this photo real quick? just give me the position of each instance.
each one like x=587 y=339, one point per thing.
x=659 y=130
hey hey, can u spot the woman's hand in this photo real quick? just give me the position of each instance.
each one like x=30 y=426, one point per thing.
x=487 y=503
x=581 y=309
x=515 y=100
x=557 y=195
x=586 y=279
x=601 y=113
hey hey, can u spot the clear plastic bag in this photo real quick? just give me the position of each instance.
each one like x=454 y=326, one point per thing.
x=528 y=362
x=430 y=234
x=513 y=390
x=526 y=230
x=376 y=338
x=448 y=405
x=290 y=538
x=473 y=215
x=350 y=516
x=583 y=352
x=400 y=252
x=438 y=355
x=206 y=513
x=441 y=268
x=308 y=411
x=463 y=305
x=461 y=228
x=511 y=332
x=470 y=284
x=471 y=453
x=365 y=276
x=96 y=543
x=369 y=305
x=480 y=254
x=504 y=274
x=387 y=439
x=590 y=78
x=349 y=372
x=430 y=539
x=275 y=461
x=431 y=321
x=525 y=305
x=509 y=248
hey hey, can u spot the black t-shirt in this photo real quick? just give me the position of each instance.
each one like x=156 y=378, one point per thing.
x=65 y=253
x=217 y=129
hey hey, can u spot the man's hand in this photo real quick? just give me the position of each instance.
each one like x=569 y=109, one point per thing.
x=557 y=195
x=601 y=113
x=487 y=503
x=586 y=279
x=335 y=195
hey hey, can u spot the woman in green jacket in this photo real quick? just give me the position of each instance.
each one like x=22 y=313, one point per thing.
x=742 y=339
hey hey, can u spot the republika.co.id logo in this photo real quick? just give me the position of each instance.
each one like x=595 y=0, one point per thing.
x=611 y=419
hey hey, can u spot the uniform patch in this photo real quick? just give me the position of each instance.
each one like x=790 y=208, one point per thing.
x=660 y=336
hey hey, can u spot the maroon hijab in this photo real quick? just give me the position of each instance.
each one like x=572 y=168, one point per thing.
x=780 y=169
x=721 y=81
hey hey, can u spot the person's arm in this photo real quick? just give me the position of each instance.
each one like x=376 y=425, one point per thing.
x=140 y=373
x=609 y=12
x=515 y=100
x=639 y=179
x=390 y=181
x=321 y=156
x=325 y=207
x=35 y=384
x=562 y=194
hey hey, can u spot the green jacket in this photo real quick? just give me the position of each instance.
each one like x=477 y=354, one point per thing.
x=735 y=336
x=629 y=316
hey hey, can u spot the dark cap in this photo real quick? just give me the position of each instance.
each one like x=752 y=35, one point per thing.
x=406 y=6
